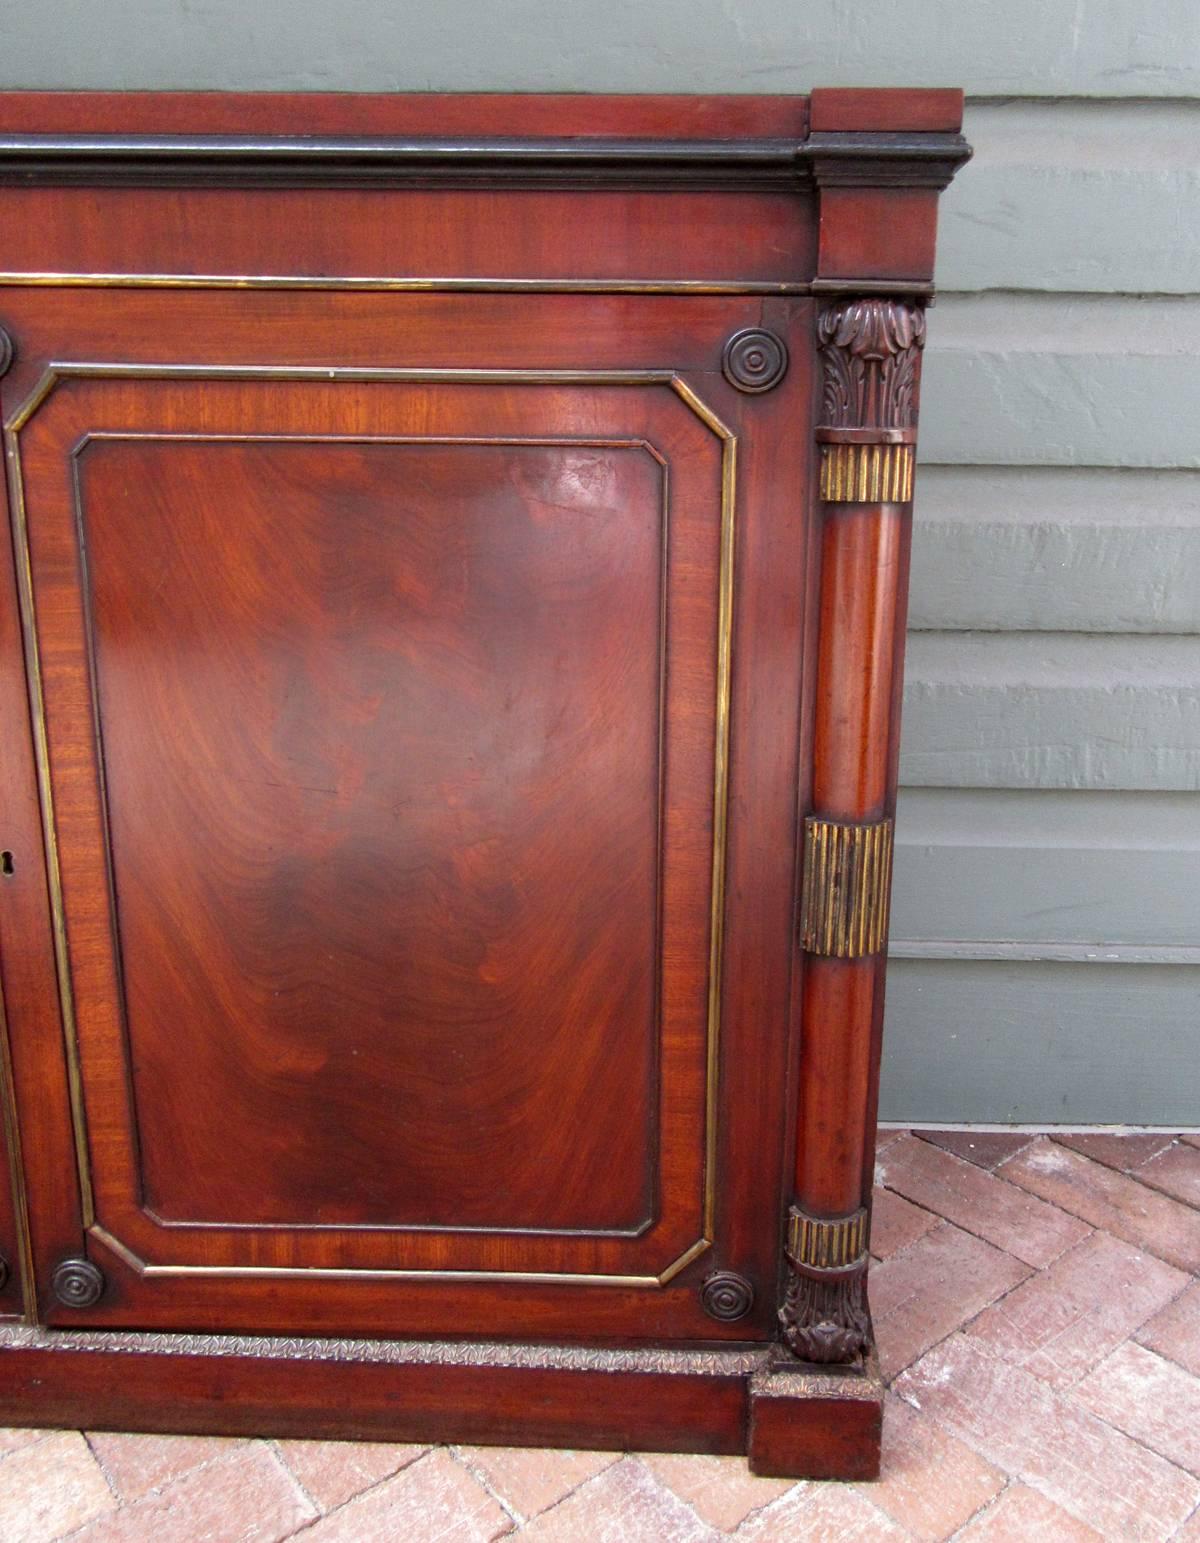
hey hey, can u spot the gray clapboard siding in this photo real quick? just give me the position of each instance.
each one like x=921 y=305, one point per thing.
x=1051 y=710
x=1058 y=524
x=1067 y=549
x=1076 y=196
x=1047 y=380
x=1112 y=48
x=1042 y=1043
x=1110 y=876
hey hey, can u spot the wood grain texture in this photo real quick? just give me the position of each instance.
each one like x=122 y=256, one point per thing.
x=380 y=235
x=412 y=749
x=428 y=681
x=440 y=114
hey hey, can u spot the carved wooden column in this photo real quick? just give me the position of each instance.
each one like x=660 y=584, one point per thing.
x=877 y=167
x=869 y=351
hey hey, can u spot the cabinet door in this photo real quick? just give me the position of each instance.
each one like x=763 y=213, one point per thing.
x=381 y=668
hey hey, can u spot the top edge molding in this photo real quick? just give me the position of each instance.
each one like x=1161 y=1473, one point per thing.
x=742 y=163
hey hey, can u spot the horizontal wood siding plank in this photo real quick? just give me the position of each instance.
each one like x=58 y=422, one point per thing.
x=1055 y=710
x=1102 y=197
x=1089 y=47
x=1041 y=1043
x=1041 y=380
x=1107 y=874
x=1056 y=549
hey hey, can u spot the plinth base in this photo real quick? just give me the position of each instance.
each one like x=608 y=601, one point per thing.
x=799 y=1422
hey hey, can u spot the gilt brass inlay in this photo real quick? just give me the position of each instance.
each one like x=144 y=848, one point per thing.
x=840 y=1244
x=867 y=474
x=847 y=883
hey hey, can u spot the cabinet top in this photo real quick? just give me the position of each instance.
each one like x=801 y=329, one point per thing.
x=499 y=116
x=834 y=191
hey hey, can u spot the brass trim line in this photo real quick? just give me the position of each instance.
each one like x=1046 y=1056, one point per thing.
x=368 y=283
x=816 y=1243
x=846 y=888
x=867 y=474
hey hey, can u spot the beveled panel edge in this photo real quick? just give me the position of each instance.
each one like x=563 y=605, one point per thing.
x=57 y=370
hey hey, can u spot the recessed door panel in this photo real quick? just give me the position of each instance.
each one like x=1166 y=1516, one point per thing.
x=381 y=747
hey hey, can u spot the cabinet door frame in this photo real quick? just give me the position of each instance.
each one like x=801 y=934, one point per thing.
x=694 y=390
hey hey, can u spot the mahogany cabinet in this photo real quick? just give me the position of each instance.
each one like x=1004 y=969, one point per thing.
x=450 y=668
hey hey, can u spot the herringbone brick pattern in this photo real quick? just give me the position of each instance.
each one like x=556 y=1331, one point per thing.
x=1038 y=1310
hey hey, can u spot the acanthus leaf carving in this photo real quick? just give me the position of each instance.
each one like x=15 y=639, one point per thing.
x=871 y=357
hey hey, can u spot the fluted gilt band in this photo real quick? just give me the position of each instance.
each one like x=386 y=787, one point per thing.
x=846 y=889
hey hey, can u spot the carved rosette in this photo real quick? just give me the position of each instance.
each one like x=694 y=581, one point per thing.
x=870 y=352
x=77 y=1283
x=824 y=1315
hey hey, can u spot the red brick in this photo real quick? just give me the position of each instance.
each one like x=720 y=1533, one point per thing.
x=1122 y=1152
x=1192 y=1138
x=49 y=1488
x=1097 y=1474
x=984 y=1148
x=978 y=1202
x=434 y=1500
x=896 y=1222
x=721 y=1490
x=332 y=1472
x=1021 y=1515
x=13 y=1438
x=820 y=1513
x=1109 y=1200
x=137 y=1464
x=931 y=1483
x=624 y=1504
x=1175 y=1332
x=1062 y=1322
x=884 y=1136
x=1190 y=1531
x=929 y=1290
x=529 y=1479
x=1152 y=1400
x=247 y=1497
x=1176 y=1172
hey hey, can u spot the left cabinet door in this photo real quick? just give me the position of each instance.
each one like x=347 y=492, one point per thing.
x=378 y=651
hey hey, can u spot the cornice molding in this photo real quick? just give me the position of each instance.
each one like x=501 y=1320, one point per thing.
x=829 y=159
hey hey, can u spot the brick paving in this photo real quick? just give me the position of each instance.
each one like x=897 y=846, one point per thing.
x=1038 y=1311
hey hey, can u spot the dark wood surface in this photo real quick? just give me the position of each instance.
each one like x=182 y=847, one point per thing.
x=431 y=656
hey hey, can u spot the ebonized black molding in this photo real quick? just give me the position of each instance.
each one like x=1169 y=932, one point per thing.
x=743 y=164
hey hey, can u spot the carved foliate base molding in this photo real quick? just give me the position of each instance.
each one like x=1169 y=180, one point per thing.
x=824 y=1316
x=847 y=886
